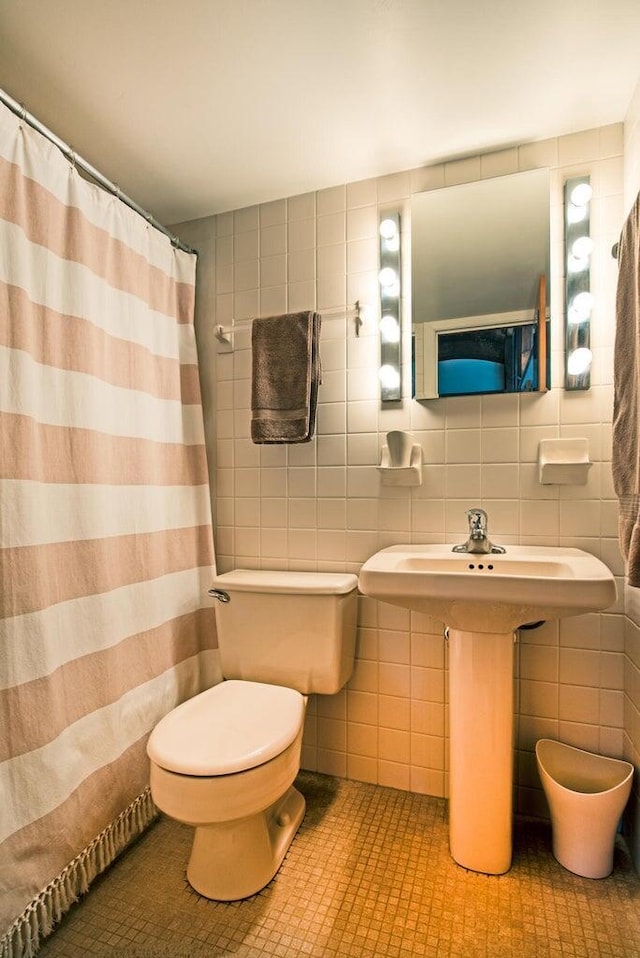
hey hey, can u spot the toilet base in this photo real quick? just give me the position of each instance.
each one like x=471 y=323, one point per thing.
x=235 y=859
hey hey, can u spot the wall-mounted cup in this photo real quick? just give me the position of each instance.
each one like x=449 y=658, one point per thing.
x=400 y=445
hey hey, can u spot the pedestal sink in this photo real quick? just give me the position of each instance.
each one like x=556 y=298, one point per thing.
x=482 y=599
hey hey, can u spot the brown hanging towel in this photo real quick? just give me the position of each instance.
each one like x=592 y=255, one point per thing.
x=286 y=373
x=626 y=406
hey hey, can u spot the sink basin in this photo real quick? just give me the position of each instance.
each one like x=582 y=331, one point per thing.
x=489 y=593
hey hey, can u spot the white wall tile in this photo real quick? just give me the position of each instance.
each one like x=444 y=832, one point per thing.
x=246 y=219
x=301 y=235
x=500 y=445
x=463 y=482
x=302 y=295
x=246 y=246
x=393 y=187
x=246 y=275
x=273 y=300
x=273 y=213
x=361 y=193
x=331 y=260
x=332 y=450
x=463 y=446
x=331 y=228
x=499 y=163
x=362 y=223
x=331 y=291
x=332 y=200
x=301 y=207
x=361 y=253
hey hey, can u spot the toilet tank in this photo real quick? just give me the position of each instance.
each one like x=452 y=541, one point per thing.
x=287 y=628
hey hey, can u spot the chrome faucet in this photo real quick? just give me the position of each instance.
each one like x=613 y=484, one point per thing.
x=478 y=542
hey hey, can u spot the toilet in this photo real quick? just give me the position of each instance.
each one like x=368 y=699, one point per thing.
x=586 y=794
x=225 y=760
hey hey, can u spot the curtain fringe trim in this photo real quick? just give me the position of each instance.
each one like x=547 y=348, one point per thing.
x=22 y=940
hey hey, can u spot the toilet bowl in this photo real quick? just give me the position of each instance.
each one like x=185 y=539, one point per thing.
x=586 y=794
x=225 y=760
x=214 y=767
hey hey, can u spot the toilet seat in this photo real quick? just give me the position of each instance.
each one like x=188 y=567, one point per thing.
x=231 y=727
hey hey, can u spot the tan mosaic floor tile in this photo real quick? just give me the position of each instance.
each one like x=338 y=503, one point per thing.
x=369 y=875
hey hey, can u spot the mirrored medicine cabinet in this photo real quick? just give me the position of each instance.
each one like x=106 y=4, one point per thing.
x=479 y=273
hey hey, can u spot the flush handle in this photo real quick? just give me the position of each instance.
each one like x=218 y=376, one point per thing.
x=219 y=594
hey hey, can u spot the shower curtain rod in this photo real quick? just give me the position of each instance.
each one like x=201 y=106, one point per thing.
x=76 y=160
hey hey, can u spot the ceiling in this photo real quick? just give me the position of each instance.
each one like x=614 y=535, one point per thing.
x=200 y=106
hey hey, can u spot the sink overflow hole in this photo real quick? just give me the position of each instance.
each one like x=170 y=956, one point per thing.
x=480 y=565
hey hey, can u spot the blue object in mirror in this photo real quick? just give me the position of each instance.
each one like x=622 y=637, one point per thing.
x=488 y=361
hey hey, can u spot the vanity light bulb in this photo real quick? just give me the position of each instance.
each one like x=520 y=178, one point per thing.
x=576 y=214
x=577 y=264
x=581 y=194
x=388 y=229
x=582 y=247
x=387 y=277
x=579 y=361
x=580 y=308
x=390 y=329
x=389 y=376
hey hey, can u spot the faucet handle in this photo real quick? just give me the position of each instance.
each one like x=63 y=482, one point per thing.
x=478 y=541
x=477 y=520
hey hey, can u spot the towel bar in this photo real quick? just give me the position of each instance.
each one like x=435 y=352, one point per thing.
x=224 y=334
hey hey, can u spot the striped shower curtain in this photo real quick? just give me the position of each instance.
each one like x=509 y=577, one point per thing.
x=106 y=547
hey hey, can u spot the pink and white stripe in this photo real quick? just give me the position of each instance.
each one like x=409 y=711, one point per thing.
x=106 y=546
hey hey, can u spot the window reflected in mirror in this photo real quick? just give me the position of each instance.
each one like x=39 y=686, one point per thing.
x=480 y=264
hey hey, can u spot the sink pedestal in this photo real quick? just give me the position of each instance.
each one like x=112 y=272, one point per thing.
x=481 y=749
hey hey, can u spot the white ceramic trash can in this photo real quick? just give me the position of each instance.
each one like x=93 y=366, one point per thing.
x=587 y=794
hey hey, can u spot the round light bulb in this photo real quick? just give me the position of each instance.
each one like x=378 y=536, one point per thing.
x=389 y=376
x=387 y=277
x=576 y=214
x=390 y=329
x=388 y=229
x=581 y=194
x=579 y=361
x=577 y=264
x=582 y=247
x=580 y=308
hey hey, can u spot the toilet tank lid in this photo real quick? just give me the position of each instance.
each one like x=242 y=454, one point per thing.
x=304 y=583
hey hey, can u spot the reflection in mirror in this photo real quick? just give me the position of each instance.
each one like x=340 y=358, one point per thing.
x=480 y=259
